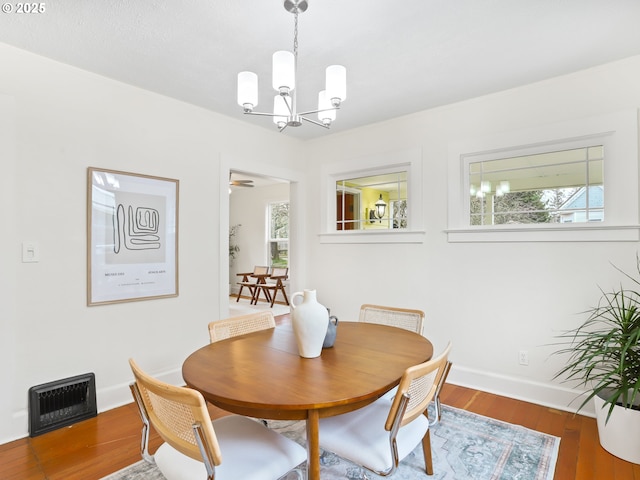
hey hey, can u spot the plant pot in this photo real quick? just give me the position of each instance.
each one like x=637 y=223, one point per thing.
x=621 y=434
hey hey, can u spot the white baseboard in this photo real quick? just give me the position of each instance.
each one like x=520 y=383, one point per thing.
x=118 y=395
x=549 y=395
x=107 y=399
x=18 y=427
x=546 y=394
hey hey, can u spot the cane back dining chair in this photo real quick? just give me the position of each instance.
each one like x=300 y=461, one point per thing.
x=271 y=288
x=234 y=326
x=408 y=319
x=230 y=448
x=380 y=435
x=257 y=274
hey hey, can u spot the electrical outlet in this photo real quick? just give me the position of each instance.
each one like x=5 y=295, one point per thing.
x=30 y=252
x=523 y=357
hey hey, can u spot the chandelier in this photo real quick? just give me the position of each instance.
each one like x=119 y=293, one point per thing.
x=285 y=64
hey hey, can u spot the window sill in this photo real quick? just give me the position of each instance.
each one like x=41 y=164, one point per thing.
x=385 y=236
x=555 y=233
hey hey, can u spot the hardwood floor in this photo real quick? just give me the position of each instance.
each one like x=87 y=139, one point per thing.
x=96 y=447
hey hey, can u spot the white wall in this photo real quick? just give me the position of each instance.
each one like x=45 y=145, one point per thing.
x=8 y=266
x=64 y=121
x=490 y=299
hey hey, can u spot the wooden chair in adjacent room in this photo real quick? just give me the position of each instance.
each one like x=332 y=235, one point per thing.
x=230 y=448
x=257 y=275
x=381 y=434
x=408 y=319
x=234 y=326
x=275 y=284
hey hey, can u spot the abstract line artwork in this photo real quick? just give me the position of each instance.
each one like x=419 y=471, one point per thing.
x=136 y=230
x=132 y=237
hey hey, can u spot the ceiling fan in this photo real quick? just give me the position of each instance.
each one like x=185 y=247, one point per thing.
x=240 y=183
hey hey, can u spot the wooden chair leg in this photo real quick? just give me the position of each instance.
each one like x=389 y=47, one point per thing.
x=273 y=296
x=436 y=397
x=255 y=294
x=239 y=293
x=286 y=300
x=267 y=294
x=426 y=448
x=244 y=279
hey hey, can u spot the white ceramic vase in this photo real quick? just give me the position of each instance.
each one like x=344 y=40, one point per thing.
x=310 y=320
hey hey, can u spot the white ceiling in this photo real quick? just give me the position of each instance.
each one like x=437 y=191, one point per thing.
x=401 y=56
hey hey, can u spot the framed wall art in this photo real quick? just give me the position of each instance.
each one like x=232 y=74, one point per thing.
x=132 y=237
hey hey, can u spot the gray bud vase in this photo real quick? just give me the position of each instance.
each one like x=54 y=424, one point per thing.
x=332 y=331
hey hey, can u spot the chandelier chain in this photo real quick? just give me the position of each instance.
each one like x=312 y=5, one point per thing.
x=295 y=34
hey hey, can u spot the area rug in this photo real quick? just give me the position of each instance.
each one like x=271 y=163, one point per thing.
x=243 y=307
x=465 y=446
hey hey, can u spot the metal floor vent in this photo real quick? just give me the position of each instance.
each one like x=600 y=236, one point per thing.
x=63 y=402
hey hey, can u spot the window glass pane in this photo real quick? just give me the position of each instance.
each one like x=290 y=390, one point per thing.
x=372 y=202
x=347 y=208
x=553 y=187
x=399 y=213
x=279 y=234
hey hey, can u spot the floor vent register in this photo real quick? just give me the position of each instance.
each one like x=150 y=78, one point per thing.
x=61 y=403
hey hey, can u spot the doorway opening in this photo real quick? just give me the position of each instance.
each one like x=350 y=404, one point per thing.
x=258 y=228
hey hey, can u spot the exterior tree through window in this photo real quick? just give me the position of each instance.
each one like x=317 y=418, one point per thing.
x=279 y=234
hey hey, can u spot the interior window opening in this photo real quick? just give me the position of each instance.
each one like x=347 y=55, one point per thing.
x=374 y=202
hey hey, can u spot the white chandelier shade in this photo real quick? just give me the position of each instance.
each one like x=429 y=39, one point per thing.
x=326 y=113
x=284 y=72
x=247 y=90
x=336 y=84
x=280 y=111
x=284 y=66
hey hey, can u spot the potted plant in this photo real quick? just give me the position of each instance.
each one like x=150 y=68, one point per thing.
x=233 y=246
x=604 y=356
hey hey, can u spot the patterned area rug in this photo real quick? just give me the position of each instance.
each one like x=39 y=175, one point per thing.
x=243 y=307
x=465 y=446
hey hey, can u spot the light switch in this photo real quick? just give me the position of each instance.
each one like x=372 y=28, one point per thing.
x=30 y=252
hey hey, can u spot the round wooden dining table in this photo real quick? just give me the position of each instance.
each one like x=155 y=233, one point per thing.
x=261 y=374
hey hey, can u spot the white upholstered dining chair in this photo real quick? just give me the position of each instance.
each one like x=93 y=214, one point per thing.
x=234 y=326
x=229 y=448
x=381 y=434
x=408 y=319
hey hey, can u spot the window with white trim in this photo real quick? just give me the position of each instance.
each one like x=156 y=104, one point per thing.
x=373 y=202
x=373 y=199
x=574 y=194
x=559 y=186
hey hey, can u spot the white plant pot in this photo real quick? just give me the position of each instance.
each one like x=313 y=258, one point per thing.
x=621 y=434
